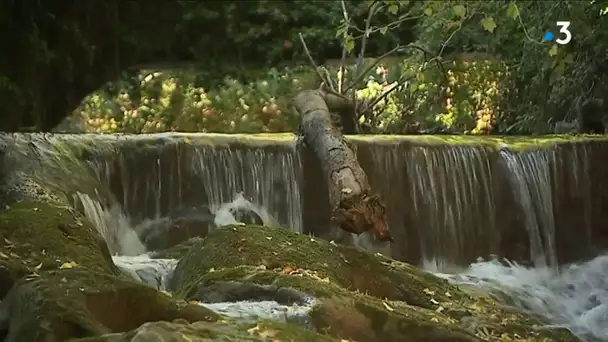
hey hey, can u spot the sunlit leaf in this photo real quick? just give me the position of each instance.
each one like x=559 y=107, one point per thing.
x=488 y=24
x=349 y=43
x=512 y=10
x=428 y=11
x=553 y=50
x=459 y=10
x=393 y=8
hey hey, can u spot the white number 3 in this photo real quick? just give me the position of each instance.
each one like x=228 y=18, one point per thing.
x=563 y=29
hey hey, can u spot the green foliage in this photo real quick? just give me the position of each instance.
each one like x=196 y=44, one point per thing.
x=474 y=67
x=172 y=101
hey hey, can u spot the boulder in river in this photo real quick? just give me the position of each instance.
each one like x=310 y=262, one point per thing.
x=357 y=295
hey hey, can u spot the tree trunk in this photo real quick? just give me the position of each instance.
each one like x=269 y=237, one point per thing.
x=355 y=208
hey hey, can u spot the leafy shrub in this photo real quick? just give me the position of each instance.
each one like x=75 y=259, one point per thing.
x=465 y=97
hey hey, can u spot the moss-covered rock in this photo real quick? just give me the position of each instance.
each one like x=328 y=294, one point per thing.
x=203 y=331
x=177 y=251
x=59 y=280
x=36 y=236
x=361 y=296
x=76 y=302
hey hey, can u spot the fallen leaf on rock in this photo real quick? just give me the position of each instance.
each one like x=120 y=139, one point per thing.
x=269 y=238
x=69 y=264
x=428 y=292
x=434 y=320
x=388 y=307
x=434 y=301
x=447 y=294
x=333 y=243
x=186 y=338
x=439 y=309
x=36 y=209
x=288 y=270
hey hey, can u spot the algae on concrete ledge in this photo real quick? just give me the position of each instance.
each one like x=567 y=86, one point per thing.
x=360 y=296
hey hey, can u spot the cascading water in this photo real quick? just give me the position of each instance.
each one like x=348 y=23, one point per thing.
x=532 y=183
x=257 y=174
x=113 y=225
x=453 y=199
x=575 y=297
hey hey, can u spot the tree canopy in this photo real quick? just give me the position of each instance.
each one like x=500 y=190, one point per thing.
x=59 y=52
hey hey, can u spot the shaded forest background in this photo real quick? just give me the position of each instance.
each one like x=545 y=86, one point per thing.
x=223 y=66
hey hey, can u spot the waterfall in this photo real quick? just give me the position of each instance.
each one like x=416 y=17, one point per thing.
x=112 y=224
x=453 y=199
x=271 y=180
x=532 y=183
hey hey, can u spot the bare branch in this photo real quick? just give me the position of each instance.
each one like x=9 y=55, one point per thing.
x=344 y=52
x=359 y=76
x=368 y=23
x=312 y=61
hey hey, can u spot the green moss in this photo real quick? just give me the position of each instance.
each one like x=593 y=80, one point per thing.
x=258 y=332
x=374 y=297
x=277 y=248
x=38 y=236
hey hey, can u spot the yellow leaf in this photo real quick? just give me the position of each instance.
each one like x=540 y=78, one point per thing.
x=69 y=264
x=553 y=50
x=349 y=43
x=434 y=301
x=459 y=10
x=428 y=292
x=428 y=11
x=512 y=10
x=488 y=24
x=186 y=338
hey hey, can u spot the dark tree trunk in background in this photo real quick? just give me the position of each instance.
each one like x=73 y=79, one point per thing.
x=355 y=208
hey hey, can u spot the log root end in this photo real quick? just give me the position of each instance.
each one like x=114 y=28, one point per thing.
x=362 y=213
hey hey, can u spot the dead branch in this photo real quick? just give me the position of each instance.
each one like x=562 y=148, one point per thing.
x=355 y=207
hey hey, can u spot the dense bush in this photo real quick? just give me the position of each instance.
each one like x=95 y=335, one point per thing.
x=464 y=97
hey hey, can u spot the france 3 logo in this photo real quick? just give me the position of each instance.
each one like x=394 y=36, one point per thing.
x=564 y=35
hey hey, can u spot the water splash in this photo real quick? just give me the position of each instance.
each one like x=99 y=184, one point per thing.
x=241 y=210
x=530 y=174
x=150 y=271
x=271 y=179
x=575 y=297
x=112 y=224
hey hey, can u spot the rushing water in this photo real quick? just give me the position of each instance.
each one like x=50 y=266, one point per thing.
x=575 y=297
x=156 y=272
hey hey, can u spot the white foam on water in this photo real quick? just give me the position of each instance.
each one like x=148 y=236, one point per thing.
x=266 y=309
x=152 y=272
x=574 y=297
x=224 y=217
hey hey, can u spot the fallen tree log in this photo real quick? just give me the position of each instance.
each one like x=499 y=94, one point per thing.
x=355 y=207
